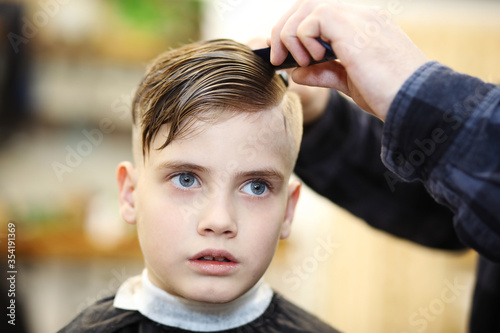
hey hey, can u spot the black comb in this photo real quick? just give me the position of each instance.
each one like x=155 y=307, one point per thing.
x=290 y=62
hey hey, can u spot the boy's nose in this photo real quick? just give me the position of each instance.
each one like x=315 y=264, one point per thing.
x=218 y=217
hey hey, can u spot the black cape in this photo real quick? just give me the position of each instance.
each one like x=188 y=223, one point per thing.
x=280 y=316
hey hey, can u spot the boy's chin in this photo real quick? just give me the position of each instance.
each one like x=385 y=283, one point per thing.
x=215 y=296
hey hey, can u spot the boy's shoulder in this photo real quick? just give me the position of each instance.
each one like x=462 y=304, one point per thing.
x=284 y=316
x=280 y=316
x=102 y=316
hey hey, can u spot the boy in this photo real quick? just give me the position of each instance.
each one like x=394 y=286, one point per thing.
x=215 y=139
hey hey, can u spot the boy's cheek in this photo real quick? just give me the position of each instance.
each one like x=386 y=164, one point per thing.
x=157 y=205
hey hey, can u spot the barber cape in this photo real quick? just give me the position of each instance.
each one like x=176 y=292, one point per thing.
x=139 y=306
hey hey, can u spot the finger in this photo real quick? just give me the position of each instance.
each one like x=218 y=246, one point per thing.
x=278 y=49
x=330 y=22
x=307 y=32
x=329 y=74
x=289 y=34
x=257 y=43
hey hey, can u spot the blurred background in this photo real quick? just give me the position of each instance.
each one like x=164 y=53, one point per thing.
x=68 y=70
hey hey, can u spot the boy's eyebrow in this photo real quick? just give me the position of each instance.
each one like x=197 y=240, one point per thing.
x=269 y=173
x=180 y=165
x=263 y=173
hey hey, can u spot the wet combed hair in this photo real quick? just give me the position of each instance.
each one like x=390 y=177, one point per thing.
x=203 y=79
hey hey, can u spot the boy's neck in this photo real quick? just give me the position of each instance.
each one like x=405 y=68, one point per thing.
x=138 y=293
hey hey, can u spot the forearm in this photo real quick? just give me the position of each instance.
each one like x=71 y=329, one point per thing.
x=340 y=159
x=443 y=128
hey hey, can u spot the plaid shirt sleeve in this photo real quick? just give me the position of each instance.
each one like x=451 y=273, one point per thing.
x=443 y=129
x=340 y=159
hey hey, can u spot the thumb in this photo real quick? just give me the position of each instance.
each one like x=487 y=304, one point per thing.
x=333 y=75
x=328 y=74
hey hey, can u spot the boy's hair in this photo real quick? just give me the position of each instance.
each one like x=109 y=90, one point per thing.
x=199 y=81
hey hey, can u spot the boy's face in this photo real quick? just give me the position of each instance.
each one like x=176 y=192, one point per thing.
x=211 y=207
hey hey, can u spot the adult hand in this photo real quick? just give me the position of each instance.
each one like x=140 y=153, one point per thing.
x=375 y=57
x=313 y=99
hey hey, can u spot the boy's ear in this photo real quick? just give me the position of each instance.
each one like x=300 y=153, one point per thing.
x=293 y=197
x=126 y=178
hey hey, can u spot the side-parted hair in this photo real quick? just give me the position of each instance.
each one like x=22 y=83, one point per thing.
x=198 y=81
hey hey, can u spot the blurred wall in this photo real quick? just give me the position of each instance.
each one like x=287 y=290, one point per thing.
x=84 y=59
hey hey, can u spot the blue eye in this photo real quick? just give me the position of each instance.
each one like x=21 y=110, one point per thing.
x=255 y=188
x=185 y=180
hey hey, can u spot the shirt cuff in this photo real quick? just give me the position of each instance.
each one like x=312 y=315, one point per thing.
x=426 y=118
x=394 y=154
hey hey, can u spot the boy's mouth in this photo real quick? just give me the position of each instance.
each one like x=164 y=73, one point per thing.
x=211 y=258
x=214 y=262
x=214 y=255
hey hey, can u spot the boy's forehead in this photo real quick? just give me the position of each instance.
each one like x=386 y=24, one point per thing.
x=245 y=135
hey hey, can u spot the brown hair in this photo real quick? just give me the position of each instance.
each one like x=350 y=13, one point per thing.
x=199 y=80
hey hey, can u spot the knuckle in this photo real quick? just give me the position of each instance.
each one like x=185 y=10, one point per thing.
x=285 y=36
x=274 y=31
